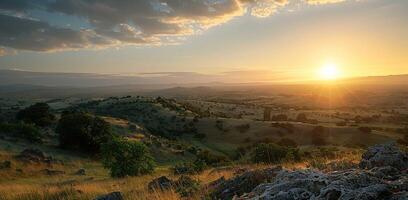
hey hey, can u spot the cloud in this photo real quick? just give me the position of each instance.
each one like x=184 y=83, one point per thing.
x=117 y=23
x=317 y=2
x=28 y=34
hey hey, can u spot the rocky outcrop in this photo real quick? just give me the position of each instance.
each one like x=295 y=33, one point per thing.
x=184 y=185
x=36 y=156
x=382 y=176
x=384 y=155
x=161 y=183
x=226 y=189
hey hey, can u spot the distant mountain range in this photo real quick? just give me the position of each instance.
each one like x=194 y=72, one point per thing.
x=15 y=83
x=174 y=79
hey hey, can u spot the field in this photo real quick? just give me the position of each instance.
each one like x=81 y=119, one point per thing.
x=176 y=127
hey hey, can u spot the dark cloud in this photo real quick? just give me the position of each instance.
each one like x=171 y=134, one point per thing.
x=28 y=34
x=124 y=22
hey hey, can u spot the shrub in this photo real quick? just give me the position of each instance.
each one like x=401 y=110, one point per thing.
x=38 y=114
x=195 y=167
x=127 y=158
x=25 y=131
x=273 y=153
x=210 y=158
x=78 y=130
x=186 y=186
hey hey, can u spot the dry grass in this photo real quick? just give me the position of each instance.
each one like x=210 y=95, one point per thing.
x=32 y=184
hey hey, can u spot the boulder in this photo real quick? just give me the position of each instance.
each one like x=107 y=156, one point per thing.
x=36 y=156
x=111 y=196
x=384 y=155
x=243 y=183
x=161 y=183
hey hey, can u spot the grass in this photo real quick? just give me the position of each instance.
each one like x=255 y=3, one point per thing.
x=31 y=184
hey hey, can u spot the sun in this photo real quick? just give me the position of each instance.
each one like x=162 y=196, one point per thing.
x=329 y=71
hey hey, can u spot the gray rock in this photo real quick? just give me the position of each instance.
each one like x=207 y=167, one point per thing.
x=36 y=156
x=111 y=196
x=384 y=155
x=382 y=176
x=161 y=183
x=243 y=183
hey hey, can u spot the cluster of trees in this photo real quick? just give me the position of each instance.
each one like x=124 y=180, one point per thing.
x=28 y=123
x=38 y=114
x=91 y=134
x=84 y=132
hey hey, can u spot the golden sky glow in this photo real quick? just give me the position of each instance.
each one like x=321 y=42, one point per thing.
x=275 y=40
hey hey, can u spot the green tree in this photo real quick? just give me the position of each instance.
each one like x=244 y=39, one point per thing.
x=79 y=130
x=38 y=114
x=127 y=158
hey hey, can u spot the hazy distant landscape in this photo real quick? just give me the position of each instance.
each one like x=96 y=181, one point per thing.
x=207 y=132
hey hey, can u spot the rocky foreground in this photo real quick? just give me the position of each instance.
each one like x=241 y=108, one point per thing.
x=382 y=174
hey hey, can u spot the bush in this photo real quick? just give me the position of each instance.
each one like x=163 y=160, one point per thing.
x=78 y=130
x=210 y=158
x=186 y=186
x=25 y=131
x=127 y=158
x=273 y=153
x=195 y=167
x=29 y=132
x=38 y=114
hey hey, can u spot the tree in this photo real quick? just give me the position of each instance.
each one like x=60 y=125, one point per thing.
x=79 y=130
x=127 y=158
x=38 y=114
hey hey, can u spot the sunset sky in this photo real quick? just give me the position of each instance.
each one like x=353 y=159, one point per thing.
x=273 y=38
